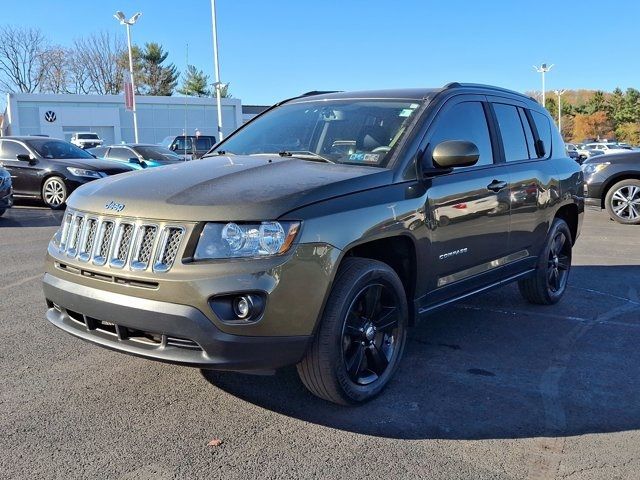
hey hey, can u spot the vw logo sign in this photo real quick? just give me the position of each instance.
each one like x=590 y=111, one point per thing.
x=50 y=116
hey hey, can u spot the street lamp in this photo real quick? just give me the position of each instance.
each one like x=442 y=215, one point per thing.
x=544 y=68
x=559 y=94
x=218 y=85
x=123 y=21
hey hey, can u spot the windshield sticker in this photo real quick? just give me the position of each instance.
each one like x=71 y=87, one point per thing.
x=406 y=112
x=364 y=157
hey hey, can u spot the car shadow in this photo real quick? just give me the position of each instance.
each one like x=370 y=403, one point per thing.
x=31 y=214
x=494 y=367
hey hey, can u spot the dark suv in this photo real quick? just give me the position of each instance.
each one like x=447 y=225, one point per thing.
x=318 y=232
x=189 y=147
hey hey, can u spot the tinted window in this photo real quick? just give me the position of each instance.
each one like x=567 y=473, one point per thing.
x=88 y=136
x=544 y=131
x=120 y=153
x=531 y=146
x=10 y=150
x=512 y=133
x=182 y=144
x=157 y=153
x=98 y=151
x=57 y=149
x=465 y=121
x=203 y=143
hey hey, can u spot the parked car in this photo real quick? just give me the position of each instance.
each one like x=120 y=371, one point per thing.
x=586 y=152
x=86 y=140
x=572 y=152
x=319 y=243
x=606 y=148
x=139 y=154
x=50 y=169
x=612 y=182
x=6 y=190
x=190 y=147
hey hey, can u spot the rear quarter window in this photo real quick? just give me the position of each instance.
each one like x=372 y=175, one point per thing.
x=544 y=131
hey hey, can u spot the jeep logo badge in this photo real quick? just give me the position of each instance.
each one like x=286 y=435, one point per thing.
x=116 y=207
x=50 y=116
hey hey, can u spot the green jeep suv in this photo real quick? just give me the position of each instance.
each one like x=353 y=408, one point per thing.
x=318 y=233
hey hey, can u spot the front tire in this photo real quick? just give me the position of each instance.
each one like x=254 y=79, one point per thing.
x=549 y=281
x=623 y=202
x=361 y=336
x=54 y=193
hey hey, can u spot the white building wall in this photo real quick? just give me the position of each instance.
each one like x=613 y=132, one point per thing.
x=158 y=117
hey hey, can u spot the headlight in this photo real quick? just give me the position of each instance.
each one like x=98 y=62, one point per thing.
x=592 y=168
x=241 y=240
x=81 y=172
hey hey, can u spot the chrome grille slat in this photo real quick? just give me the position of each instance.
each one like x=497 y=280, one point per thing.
x=119 y=243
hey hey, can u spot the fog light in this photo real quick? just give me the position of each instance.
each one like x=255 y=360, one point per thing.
x=242 y=306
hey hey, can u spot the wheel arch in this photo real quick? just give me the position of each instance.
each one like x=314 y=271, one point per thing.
x=399 y=252
x=571 y=215
x=613 y=180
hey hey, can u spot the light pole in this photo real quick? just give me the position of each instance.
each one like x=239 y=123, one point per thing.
x=123 y=21
x=544 y=68
x=218 y=85
x=559 y=94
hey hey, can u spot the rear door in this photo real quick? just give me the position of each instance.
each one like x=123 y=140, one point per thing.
x=24 y=175
x=526 y=144
x=468 y=208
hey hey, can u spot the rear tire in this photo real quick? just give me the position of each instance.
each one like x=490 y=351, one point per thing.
x=54 y=193
x=361 y=336
x=549 y=282
x=623 y=202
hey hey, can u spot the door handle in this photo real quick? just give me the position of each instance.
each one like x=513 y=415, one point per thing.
x=497 y=185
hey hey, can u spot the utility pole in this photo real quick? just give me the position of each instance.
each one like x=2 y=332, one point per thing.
x=544 y=68
x=559 y=93
x=218 y=86
x=123 y=21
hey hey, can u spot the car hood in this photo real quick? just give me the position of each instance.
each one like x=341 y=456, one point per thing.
x=239 y=188
x=97 y=164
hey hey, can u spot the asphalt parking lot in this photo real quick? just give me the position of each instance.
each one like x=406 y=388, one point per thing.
x=491 y=388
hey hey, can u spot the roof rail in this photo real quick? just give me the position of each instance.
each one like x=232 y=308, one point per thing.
x=451 y=85
x=318 y=92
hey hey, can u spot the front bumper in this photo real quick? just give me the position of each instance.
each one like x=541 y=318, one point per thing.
x=6 y=199
x=162 y=331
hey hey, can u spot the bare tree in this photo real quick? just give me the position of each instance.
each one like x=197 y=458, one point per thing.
x=78 y=76
x=55 y=67
x=99 y=53
x=21 y=59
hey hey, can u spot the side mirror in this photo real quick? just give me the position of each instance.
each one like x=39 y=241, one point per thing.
x=24 y=157
x=135 y=160
x=455 y=153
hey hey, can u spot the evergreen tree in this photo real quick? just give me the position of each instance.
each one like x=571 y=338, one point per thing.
x=195 y=83
x=158 y=79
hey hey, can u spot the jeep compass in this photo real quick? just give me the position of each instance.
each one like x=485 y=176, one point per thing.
x=316 y=234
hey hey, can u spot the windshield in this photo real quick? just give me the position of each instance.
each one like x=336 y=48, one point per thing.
x=57 y=149
x=157 y=153
x=88 y=136
x=361 y=132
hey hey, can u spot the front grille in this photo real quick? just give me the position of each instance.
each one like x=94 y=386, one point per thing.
x=120 y=243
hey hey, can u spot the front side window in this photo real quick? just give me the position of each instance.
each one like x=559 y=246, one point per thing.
x=355 y=132
x=465 y=121
x=511 y=132
x=57 y=149
x=203 y=143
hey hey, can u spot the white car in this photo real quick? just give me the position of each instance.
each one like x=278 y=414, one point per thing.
x=86 y=140
x=607 y=148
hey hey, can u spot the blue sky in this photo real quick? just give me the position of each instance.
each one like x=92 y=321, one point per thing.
x=275 y=49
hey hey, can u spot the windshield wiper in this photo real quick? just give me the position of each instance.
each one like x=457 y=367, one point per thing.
x=218 y=153
x=305 y=155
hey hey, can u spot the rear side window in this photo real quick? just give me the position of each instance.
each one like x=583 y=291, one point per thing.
x=544 y=132
x=512 y=132
x=531 y=146
x=465 y=121
x=10 y=150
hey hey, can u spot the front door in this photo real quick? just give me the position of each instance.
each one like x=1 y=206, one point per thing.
x=468 y=209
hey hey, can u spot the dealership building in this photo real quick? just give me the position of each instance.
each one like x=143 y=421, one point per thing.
x=59 y=116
